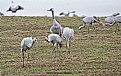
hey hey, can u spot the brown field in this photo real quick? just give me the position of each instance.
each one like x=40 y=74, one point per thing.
x=95 y=50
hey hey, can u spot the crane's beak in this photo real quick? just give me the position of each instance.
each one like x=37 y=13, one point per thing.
x=22 y=8
x=51 y=9
x=48 y=10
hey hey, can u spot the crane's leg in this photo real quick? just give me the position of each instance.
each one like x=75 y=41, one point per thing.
x=60 y=45
x=69 y=41
x=88 y=28
x=23 y=57
x=68 y=44
x=55 y=45
x=28 y=56
x=117 y=28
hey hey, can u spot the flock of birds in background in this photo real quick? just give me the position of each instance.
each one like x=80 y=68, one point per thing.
x=58 y=32
x=14 y=9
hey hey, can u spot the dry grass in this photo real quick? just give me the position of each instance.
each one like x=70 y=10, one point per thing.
x=96 y=52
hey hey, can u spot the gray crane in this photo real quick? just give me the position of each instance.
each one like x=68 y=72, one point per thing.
x=26 y=44
x=68 y=33
x=14 y=9
x=56 y=27
x=89 y=20
x=114 y=18
x=66 y=14
x=55 y=39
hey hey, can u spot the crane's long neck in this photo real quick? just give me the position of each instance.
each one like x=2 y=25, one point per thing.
x=53 y=15
x=33 y=43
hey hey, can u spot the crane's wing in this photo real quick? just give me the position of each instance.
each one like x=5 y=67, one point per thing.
x=27 y=42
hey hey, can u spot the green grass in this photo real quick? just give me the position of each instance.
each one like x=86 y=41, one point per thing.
x=96 y=52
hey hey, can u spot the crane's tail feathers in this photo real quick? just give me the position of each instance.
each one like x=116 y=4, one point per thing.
x=60 y=45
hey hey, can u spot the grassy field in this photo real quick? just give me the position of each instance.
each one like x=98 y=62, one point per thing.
x=95 y=50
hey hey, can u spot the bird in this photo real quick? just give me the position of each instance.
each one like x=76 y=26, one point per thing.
x=75 y=15
x=117 y=19
x=55 y=39
x=109 y=20
x=68 y=33
x=116 y=14
x=56 y=28
x=113 y=19
x=14 y=8
x=1 y=14
x=89 y=20
x=66 y=14
x=26 y=44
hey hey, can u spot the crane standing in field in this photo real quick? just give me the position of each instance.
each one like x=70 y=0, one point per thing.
x=14 y=9
x=114 y=19
x=117 y=21
x=56 y=27
x=68 y=34
x=55 y=39
x=27 y=44
x=89 y=20
x=111 y=20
